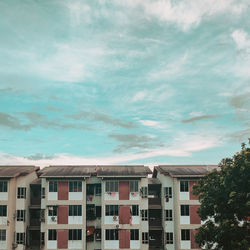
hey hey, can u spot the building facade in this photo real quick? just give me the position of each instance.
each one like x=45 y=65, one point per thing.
x=94 y=207
x=99 y=207
x=14 y=205
x=179 y=205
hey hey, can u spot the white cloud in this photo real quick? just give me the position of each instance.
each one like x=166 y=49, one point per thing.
x=186 y=13
x=139 y=96
x=242 y=64
x=241 y=39
x=150 y=123
x=171 y=69
x=154 y=95
x=183 y=146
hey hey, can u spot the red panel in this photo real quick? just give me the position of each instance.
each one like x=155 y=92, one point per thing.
x=124 y=239
x=194 y=217
x=63 y=190
x=194 y=245
x=124 y=214
x=63 y=213
x=191 y=196
x=123 y=190
x=62 y=239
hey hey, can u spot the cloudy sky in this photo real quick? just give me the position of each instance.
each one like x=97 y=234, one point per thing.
x=123 y=81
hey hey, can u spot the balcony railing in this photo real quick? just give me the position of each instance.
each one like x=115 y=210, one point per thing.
x=155 y=222
x=35 y=201
x=154 y=201
x=35 y=222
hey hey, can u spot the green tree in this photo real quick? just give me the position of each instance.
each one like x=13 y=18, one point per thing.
x=225 y=205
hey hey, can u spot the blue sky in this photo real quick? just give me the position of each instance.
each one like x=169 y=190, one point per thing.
x=123 y=82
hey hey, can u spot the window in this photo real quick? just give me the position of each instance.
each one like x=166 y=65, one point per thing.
x=43 y=193
x=111 y=234
x=144 y=192
x=42 y=239
x=3 y=186
x=111 y=210
x=185 y=234
x=144 y=214
x=20 y=238
x=52 y=234
x=169 y=238
x=133 y=186
x=3 y=210
x=90 y=189
x=144 y=237
x=52 y=211
x=20 y=215
x=42 y=215
x=90 y=212
x=75 y=210
x=21 y=193
x=111 y=186
x=98 y=211
x=2 y=235
x=134 y=234
x=98 y=189
x=53 y=186
x=134 y=211
x=75 y=186
x=75 y=234
x=168 y=192
x=98 y=234
x=184 y=186
x=184 y=210
x=168 y=215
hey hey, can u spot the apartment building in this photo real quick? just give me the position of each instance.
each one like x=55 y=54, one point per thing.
x=14 y=205
x=179 y=206
x=94 y=207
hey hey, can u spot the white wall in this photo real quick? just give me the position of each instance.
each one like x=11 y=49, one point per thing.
x=3 y=196
x=108 y=197
x=52 y=196
x=134 y=244
x=184 y=219
x=134 y=197
x=75 y=220
x=185 y=244
x=74 y=244
x=136 y=220
x=184 y=196
x=50 y=221
x=3 y=220
x=75 y=196
x=51 y=244
x=111 y=244
x=109 y=220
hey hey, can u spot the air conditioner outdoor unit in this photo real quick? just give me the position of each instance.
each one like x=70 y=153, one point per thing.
x=14 y=245
x=115 y=218
x=117 y=226
x=53 y=218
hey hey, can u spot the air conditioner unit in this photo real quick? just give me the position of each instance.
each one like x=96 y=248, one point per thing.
x=14 y=245
x=115 y=218
x=53 y=218
x=117 y=226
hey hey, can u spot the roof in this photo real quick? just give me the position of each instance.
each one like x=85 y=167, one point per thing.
x=153 y=181
x=36 y=182
x=184 y=170
x=15 y=171
x=62 y=171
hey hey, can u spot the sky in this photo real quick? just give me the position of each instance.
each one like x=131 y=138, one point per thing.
x=123 y=81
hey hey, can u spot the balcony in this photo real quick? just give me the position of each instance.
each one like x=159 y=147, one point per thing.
x=34 y=222
x=35 y=194
x=155 y=222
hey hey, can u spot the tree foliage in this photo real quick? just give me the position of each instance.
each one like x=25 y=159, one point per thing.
x=224 y=195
